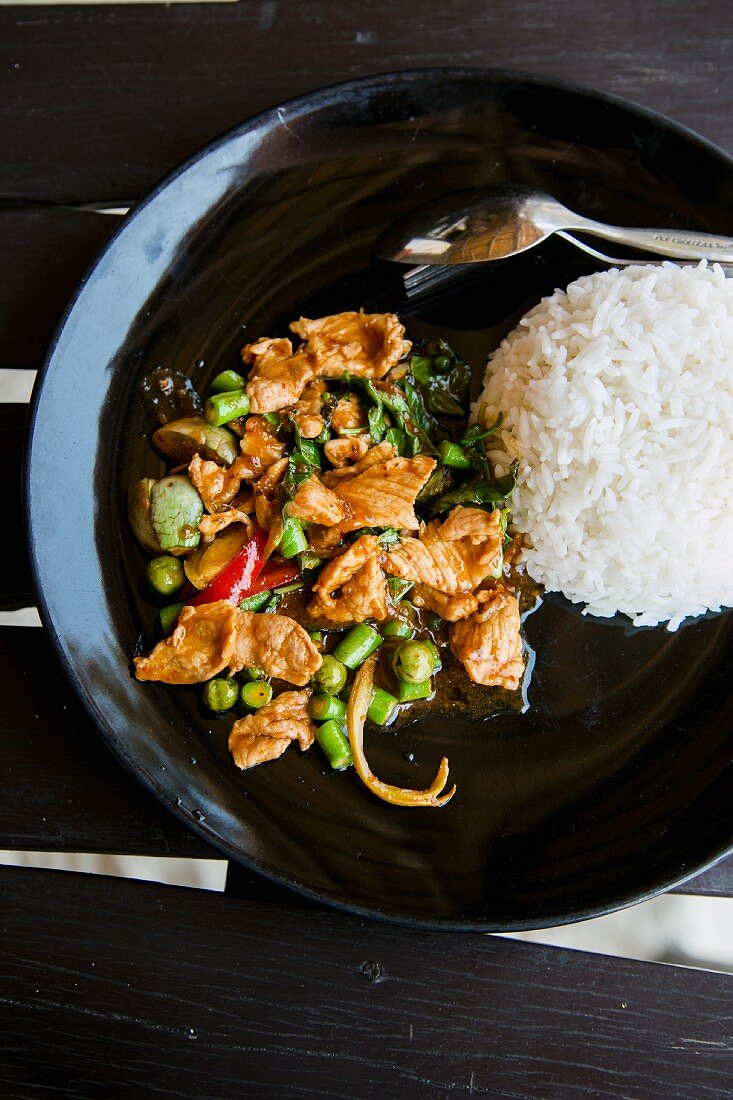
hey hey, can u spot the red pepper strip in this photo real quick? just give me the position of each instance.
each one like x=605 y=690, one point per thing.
x=236 y=580
x=272 y=577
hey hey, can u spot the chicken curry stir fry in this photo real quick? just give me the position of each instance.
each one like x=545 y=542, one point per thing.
x=332 y=531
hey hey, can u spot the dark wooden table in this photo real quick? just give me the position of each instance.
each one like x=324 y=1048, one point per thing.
x=114 y=988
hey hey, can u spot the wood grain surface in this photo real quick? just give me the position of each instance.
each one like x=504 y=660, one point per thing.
x=61 y=789
x=122 y=989
x=117 y=989
x=112 y=98
x=16 y=588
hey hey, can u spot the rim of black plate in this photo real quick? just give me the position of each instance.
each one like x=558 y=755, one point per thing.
x=279 y=113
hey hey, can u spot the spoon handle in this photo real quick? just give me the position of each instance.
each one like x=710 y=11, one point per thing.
x=683 y=244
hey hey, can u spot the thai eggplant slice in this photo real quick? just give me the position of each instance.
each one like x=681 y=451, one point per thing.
x=175 y=512
x=180 y=440
x=138 y=513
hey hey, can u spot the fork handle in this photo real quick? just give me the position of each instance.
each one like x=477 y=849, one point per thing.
x=682 y=244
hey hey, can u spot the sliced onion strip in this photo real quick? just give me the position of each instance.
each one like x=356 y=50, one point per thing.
x=274 y=536
x=359 y=700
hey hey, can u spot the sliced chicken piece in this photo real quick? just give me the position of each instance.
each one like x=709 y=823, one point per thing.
x=384 y=495
x=347 y=451
x=315 y=503
x=266 y=734
x=341 y=569
x=383 y=452
x=473 y=524
x=489 y=643
x=363 y=597
x=352 y=587
x=348 y=414
x=277 y=644
x=451 y=566
x=367 y=344
x=450 y=608
x=202 y=644
x=267 y=493
x=260 y=443
x=217 y=485
x=277 y=377
x=311 y=400
x=210 y=526
x=310 y=425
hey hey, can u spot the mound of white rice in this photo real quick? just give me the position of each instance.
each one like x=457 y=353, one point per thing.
x=617 y=395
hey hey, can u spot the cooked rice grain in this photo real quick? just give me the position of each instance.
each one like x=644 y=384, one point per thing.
x=617 y=395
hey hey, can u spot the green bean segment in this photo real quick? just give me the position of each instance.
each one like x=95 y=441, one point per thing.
x=168 y=616
x=396 y=628
x=227 y=381
x=322 y=708
x=223 y=407
x=413 y=662
x=221 y=694
x=254 y=603
x=292 y=540
x=335 y=744
x=437 y=662
x=382 y=707
x=408 y=693
x=359 y=643
x=453 y=455
x=308 y=560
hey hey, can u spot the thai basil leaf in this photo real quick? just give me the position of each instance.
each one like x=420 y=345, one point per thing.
x=304 y=461
x=473 y=444
x=308 y=449
x=398 y=588
x=447 y=394
x=422 y=369
x=419 y=415
x=476 y=433
x=408 y=409
x=413 y=445
x=478 y=492
x=377 y=423
x=441 y=401
x=438 y=483
x=398 y=439
x=389 y=537
x=296 y=473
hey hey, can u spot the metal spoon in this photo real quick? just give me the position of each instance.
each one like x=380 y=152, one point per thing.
x=435 y=281
x=475 y=226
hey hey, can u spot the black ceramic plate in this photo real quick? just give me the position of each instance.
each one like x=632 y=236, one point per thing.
x=617 y=782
